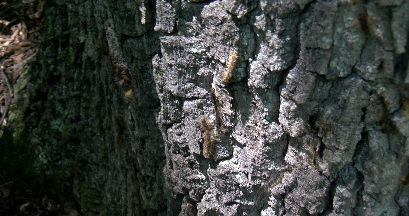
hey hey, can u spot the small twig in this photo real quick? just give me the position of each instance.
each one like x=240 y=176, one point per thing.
x=6 y=184
x=8 y=99
x=13 y=37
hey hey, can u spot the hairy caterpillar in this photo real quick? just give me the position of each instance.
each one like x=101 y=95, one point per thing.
x=208 y=137
x=230 y=66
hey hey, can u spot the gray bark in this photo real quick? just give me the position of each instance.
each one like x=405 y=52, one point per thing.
x=226 y=107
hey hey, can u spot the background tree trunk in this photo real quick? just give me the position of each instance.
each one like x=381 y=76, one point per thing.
x=228 y=107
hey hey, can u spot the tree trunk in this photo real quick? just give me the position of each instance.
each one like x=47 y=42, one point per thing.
x=226 y=107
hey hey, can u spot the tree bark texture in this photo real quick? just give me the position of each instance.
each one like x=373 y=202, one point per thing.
x=225 y=107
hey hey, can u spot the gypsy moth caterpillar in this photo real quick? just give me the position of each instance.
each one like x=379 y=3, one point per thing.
x=208 y=137
x=230 y=66
x=205 y=124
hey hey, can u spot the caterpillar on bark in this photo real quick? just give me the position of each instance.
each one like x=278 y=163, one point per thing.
x=208 y=137
x=230 y=66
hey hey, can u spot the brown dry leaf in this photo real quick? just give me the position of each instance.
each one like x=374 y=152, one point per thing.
x=18 y=58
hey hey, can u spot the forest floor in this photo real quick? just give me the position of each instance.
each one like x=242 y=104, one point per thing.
x=16 y=50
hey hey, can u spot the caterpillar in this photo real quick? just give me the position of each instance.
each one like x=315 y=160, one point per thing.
x=230 y=66
x=208 y=137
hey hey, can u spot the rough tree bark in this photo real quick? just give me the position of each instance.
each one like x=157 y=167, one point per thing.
x=226 y=107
